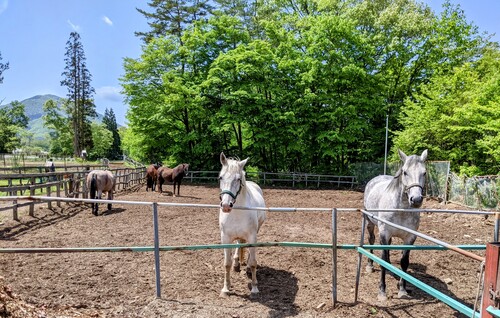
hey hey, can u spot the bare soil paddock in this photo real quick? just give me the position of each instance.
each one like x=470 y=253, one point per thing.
x=293 y=282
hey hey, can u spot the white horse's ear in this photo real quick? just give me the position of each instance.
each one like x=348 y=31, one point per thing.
x=423 y=157
x=243 y=163
x=402 y=155
x=223 y=159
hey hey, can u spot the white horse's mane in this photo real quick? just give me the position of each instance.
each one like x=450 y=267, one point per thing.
x=233 y=166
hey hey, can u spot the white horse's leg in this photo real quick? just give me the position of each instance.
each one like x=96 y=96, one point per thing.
x=236 y=260
x=227 y=275
x=252 y=264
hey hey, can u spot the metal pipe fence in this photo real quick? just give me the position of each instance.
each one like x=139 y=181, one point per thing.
x=334 y=246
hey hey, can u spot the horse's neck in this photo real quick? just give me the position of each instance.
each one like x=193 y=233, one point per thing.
x=398 y=187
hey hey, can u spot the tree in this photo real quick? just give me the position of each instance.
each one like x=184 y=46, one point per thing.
x=103 y=141
x=457 y=117
x=77 y=79
x=61 y=132
x=12 y=121
x=109 y=122
x=3 y=67
x=171 y=17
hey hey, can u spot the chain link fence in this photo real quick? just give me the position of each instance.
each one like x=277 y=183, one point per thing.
x=479 y=192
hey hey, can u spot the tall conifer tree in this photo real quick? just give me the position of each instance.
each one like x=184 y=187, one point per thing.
x=171 y=17
x=77 y=79
x=109 y=121
x=3 y=67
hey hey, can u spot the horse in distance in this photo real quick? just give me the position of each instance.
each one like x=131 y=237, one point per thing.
x=152 y=176
x=50 y=167
x=239 y=225
x=174 y=175
x=99 y=181
x=404 y=190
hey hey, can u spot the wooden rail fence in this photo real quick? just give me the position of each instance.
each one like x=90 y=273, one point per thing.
x=68 y=184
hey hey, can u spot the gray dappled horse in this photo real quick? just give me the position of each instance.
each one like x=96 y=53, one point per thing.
x=238 y=224
x=402 y=191
x=99 y=181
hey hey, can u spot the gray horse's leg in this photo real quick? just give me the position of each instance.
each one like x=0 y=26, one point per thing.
x=405 y=263
x=110 y=197
x=385 y=256
x=371 y=239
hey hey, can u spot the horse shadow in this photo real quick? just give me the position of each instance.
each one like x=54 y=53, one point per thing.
x=10 y=232
x=112 y=211
x=419 y=272
x=277 y=291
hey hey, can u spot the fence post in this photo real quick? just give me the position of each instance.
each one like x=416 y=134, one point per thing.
x=334 y=256
x=491 y=295
x=15 y=216
x=32 y=205
x=58 y=191
x=157 y=249
x=49 y=191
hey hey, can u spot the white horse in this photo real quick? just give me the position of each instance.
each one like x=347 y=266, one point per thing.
x=403 y=191
x=237 y=224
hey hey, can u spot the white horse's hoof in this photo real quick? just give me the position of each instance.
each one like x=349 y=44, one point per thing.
x=382 y=297
x=224 y=294
x=369 y=269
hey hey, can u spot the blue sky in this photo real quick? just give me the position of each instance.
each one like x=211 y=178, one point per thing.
x=33 y=36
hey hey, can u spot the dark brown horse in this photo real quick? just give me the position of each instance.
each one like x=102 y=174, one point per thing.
x=174 y=175
x=152 y=176
x=99 y=181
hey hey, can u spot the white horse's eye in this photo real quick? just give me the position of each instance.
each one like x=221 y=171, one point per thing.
x=405 y=173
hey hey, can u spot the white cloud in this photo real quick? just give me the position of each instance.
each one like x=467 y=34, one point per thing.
x=111 y=93
x=3 y=5
x=74 y=26
x=107 y=20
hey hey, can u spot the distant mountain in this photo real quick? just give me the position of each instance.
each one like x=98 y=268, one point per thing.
x=33 y=108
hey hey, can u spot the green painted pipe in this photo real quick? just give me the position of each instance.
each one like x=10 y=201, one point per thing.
x=422 y=286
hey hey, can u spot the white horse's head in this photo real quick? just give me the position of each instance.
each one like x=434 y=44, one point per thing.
x=412 y=174
x=231 y=181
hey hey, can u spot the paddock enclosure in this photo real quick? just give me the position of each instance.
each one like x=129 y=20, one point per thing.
x=293 y=281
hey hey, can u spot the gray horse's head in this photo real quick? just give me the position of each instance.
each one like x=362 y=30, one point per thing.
x=412 y=176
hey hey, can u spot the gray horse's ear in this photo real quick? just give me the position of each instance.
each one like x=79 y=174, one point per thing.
x=223 y=159
x=423 y=157
x=243 y=163
x=402 y=155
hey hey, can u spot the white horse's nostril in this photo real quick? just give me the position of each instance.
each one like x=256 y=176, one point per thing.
x=231 y=204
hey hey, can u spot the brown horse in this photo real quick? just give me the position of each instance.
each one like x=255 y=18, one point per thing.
x=99 y=181
x=152 y=176
x=174 y=175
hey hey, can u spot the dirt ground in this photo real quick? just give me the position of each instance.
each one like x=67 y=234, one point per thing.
x=293 y=282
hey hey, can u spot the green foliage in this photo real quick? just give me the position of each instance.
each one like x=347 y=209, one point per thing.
x=457 y=117
x=12 y=122
x=307 y=86
x=3 y=68
x=102 y=139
